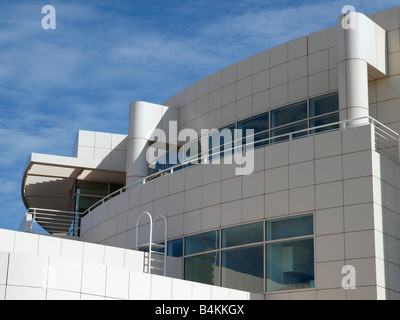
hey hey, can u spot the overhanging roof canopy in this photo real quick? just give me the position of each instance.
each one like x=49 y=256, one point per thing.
x=48 y=179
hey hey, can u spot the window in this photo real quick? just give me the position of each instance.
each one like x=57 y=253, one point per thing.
x=264 y=256
x=290 y=262
x=324 y=110
x=175 y=248
x=156 y=166
x=260 y=124
x=203 y=268
x=242 y=268
x=280 y=122
x=289 y=227
x=324 y=104
x=221 y=140
x=289 y=114
x=92 y=188
x=191 y=152
x=202 y=242
x=88 y=193
x=324 y=120
x=245 y=234
x=290 y=265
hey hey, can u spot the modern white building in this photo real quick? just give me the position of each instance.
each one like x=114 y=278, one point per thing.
x=313 y=214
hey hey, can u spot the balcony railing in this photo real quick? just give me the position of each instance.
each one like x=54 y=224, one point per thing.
x=386 y=143
x=54 y=222
x=68 y=223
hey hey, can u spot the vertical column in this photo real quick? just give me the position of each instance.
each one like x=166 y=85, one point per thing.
x=144 y=118
x=361 y=53
x=353 y=90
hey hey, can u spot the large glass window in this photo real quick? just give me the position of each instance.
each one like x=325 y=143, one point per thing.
x=260 y=124
x=288 y=114
x=290 y=265
x=175 y=248
x=92 y=188
x=320 y=121
x=323 y=111
x=288 y=129
x=220 y=140
x=289 y=227
x=245 y=234
x=202 y=242
x=242 y=268
x=324 y=104
x=88 y=193
x=203 y=268
x=282 y=121
x=264 y=256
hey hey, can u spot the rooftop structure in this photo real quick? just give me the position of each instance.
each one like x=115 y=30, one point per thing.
x=304 y=205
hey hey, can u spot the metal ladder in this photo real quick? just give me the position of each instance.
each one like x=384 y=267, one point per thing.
x=157 y=260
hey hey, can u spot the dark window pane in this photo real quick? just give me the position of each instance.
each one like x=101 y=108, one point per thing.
x=156 y=166
x=243 y=269
x=324 y=104
x=203 y=268
x=288 y=114
x=252 y=143
x=191 y=151
x=221 y=140
x=244 y=234
x=290 y=265
x=289 y=227
x=288 y=129
x=92 y=188
x=324 y=120
x=175 y=248
x=258 y=123
x=202 y=242
x=115 y=187
x=84 y=203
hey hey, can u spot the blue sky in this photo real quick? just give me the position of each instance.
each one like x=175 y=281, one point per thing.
x=105 y=54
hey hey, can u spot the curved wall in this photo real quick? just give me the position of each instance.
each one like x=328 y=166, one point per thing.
x=332 y=175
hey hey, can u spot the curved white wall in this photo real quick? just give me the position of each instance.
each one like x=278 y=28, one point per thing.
x=335 y=175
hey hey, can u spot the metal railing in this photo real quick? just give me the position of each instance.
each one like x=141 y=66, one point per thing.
x=386 y=142
x=54 y=222
x=66 y=223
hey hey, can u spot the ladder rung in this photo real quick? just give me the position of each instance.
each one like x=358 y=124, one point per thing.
x=156 y=268
x=157 y=260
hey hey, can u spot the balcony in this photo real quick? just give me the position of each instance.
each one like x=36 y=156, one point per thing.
x=58 y=222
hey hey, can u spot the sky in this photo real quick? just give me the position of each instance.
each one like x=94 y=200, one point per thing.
x=105 y=54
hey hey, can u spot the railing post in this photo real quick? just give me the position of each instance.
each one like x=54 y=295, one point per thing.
x=398 y=149
x=33 y=220
x=28 y=222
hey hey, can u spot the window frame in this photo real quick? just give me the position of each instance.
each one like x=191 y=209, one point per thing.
x=263 y=243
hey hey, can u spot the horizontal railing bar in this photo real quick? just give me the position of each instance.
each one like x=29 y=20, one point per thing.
x=386 y=138
x=381 y=143
x=384 y=141
x=51 y=210
x=384 y=133
x=200 y=156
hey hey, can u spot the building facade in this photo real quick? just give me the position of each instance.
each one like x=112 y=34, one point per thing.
x=315 y=215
